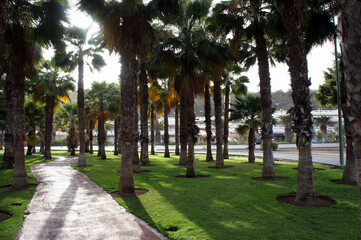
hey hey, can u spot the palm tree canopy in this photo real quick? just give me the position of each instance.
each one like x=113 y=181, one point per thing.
x=247 y=109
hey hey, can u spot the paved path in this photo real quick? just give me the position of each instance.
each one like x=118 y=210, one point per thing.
x=68 y=205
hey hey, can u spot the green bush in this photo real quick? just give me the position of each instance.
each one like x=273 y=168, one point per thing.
x=274 y=145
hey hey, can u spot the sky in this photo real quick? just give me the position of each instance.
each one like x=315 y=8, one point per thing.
x=319 y=59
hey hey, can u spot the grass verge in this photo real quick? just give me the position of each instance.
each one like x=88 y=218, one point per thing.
x=15 y=202
x=229 y=204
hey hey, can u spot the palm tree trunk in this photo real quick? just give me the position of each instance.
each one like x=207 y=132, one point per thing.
x=9 y=154
x=2 y=40
x=349 y=175
x=42 y=147
x=176 y=115
x=81 y=113
x=251 y=145
x=136 y=160
x=207 y=116
x=91 y=137
x=166 y=134
x=101 y=130
x=350 y=22
x=2 y=140
x=288 y=133
x=152 y=120
x=143 y=85
x=16 y=70
x=225 y=123
x=183 y=131
x=87 y=141
x=116 y=135
x=192 y=131
x=266 y=102
x=129 y=130
x=218 y=111
x=49 y=115
x=301 y=111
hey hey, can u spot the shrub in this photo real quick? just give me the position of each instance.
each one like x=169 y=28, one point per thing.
x=274 y=145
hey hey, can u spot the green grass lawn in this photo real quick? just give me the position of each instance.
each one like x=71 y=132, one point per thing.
x=15 y=202
x=229 y=204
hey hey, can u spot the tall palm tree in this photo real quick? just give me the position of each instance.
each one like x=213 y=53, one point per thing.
x=217 y=96
x=207 y=116
x=49 y=28
x=144 y=97
x=91 y=116
x=301 y=111
x=77 y=38
x=2 y=39
x=56 y=86
x=248 y=110
x=121 y=23
x=235 y=87
x=191 y=52
x=350 y=21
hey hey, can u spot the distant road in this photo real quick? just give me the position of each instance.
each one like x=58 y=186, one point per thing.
x=325 y=153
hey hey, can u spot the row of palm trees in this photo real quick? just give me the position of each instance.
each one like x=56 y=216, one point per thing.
x=189 y=56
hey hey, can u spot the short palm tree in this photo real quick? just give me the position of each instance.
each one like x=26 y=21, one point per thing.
x=323 y=121
x=34 y=117
x=286 y=121
x=248 y=111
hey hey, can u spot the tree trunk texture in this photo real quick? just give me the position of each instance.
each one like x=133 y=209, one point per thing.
x=288 y=133
x=87 y=143
x=129 y=129
x=217 y=95
x=152 y=120
x=301 y=111
x=251 y=145
x=81 y=113
x=136 y=161
x=42 y=147
x=183 y=130
x=119 y=134
x=91 y=137
x=17 y=75
x=349 y=175
x=116 y=136
x=2 y=140
x=144 y=96
x=266 y=102
x=166 y=134
x=2 y=40
x=225 y=123
x=192 y=131
x=176 y=115
x=49 y=116
x=207 y=116
x=9 y=154
x=101 y=131
x=29 y=151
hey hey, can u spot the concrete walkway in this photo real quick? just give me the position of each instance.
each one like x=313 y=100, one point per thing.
x=68 y=205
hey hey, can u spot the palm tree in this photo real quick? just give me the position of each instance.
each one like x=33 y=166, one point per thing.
x=119 y=21
x=77 y=38
x=2 y=39
x=49 y=29
x=56 y=87
x=207 y=116
x=217 y=96
x=349 y=21
x=34 y=117
x=286 y=121
x=238 y=88
x=67 y=119
x=301 y=111
x=249 y=111
x=323 y=121
x=191 y=52
x=91 y=117
x=144 y=97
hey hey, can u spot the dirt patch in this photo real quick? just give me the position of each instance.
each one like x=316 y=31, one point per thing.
x=143 y=171
x=10 y=188
x=180 y=165
x=314 y=169
x=339 y=181
x=150 y=165
x=270 y=179
x=138 y=192
x=4 y=216
x=171 y=229
x=16 y=204
x=321 y=201
x=221 y=167
x=198 y=176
